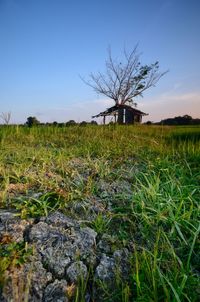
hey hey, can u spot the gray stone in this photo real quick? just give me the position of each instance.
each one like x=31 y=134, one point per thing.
x=59 y=246
x=12 y=225
x=87 y=209
x=105 y=271
x=110 y=266
x=121 y=258
x=39 y=278
x=107 y=189
x=28 y=281
x=62 y=250
x=56 y=292
x=85 y=245
x=58 y=219
x=87 y=238
x=57 y=265
x=56 y=261
x=76 y=270
x=44 y=234
x=107 y=244
x=39 y=232
x=8 y=215
x=119 y=255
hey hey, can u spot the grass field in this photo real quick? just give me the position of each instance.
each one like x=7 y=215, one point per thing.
x=149 y=176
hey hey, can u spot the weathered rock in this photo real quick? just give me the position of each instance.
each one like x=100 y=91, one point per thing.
x=106 y=269
x=26 y=282
x=7 y=216
x=59 y=246
x=56 y=292
x=107 y=244
x=86 y=238
x=76 y=270
x=110 y=266
x=48 y=235
x=85 y=245
x=60 y=220
x=87 y=209
x=62 y=250
x=11 y=224
x=56 y=262
x=39 y=278
x=122 y=263
x=107 y=189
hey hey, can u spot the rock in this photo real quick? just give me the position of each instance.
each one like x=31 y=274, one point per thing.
x=7 y=216
x=26 y=282
x=60 y=220
x=76 y=270
x=11 y=224
x=56 y=265
x=121 y=258
x=56 y=292
x=87 y=238
x=107 y=244
x=110 y=266
x=39 y=278
x=107 y=189
x=54 y=245
x=105 y=271
x=47 y=235
x=120 y=255
x=59 y=246
x=86 y=209
x=109 y=270
x=85 y=245
x=62 y=250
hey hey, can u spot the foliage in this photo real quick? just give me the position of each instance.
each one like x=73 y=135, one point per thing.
x=41 y=206
x=12 y=255
x=180 y=120
x=123 y=81
x=32 y=121
x=71 y=123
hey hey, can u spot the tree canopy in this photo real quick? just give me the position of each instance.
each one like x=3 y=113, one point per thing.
x=124 y=80
x=32 y=121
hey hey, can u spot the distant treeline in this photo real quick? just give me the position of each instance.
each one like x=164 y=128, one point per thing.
x=178 y=120
x=33 y=121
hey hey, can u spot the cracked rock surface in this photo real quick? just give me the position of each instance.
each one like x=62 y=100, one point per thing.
x=63 y=253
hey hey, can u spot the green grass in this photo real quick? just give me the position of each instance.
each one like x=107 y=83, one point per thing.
x=154 y=209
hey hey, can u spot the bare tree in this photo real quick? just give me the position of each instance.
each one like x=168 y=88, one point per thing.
x=6 y=116
x=123 y=81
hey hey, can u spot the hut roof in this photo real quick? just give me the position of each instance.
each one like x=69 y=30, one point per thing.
x=112 y=110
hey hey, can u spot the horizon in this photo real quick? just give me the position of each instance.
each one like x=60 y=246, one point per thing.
x=98 y=122
x=45 y=47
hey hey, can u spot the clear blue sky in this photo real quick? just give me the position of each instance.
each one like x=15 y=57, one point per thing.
x=46 y=44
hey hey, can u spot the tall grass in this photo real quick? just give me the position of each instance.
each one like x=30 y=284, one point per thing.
x=157 y=218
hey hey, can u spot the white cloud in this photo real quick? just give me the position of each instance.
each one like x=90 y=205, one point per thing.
x=170 y=105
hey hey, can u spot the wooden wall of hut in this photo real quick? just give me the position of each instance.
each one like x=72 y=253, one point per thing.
x=120 y=116
x=125 y=116
x=129 y=117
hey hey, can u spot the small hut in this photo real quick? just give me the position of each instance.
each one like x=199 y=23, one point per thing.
x=123 y=114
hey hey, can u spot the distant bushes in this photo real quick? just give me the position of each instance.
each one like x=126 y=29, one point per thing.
x=180 y=120
x=33 y=121
x=176 y=121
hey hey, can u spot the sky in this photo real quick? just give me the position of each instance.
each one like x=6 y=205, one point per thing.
x=46 y=46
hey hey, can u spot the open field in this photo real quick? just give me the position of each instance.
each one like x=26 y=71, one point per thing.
x=137 y=187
